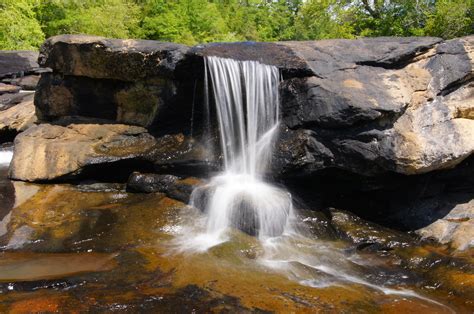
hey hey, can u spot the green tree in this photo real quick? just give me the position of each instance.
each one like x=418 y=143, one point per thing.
x=451 y=18
x=322 y=19
x=19 y=28
x=109 y=18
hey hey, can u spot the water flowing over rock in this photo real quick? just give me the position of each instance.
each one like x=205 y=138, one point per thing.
x=247 y=105
x=370 y=108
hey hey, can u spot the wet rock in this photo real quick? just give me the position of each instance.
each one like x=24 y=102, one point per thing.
x=315 y=223
x=48 y=152
x=182 y=155
x=150 y=182
x=173 y=186
x=363 y=233
x=17 y=118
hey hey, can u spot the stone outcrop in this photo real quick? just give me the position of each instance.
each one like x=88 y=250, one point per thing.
x=19 y=75
x=128 y=81
x=47 y=152
x=375 y=109
x=368 y=106
x=378 y=105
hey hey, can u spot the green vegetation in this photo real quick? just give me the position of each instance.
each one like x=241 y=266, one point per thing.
x=25 y=23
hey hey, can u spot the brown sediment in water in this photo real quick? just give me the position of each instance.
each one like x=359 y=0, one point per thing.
x=140 y=270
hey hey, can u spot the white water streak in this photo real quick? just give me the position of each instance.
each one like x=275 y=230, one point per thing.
x=5 y=157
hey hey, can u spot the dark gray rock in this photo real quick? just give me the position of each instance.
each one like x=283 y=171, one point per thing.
x=128 y=81
x=171 y=185
x=116 y=59
x=150 y=182
x=18 y=63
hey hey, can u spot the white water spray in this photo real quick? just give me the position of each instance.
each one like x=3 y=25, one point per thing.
x=247 y=103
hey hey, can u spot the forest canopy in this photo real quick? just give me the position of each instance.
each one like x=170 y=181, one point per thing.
x=24 y=24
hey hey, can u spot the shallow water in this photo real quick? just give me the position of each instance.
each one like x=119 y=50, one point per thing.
x=122 y=254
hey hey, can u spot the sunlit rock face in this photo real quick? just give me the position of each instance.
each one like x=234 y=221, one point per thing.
x=378 y=105
x=375 y=107
x=368 y=106
x=46 y=152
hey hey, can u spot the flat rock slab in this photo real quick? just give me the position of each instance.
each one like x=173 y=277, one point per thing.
x=47 y=152
x=118 y=59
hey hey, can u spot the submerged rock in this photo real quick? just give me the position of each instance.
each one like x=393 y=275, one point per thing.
x=363 y=233
x=48 y=152
x=17 y=267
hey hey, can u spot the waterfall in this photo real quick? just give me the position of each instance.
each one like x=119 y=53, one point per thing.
x=5 y=156
x=247 y=106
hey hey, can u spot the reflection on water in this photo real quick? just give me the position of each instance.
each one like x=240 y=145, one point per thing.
x=92 y=248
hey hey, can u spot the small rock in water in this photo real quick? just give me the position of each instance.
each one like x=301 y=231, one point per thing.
x=172 y=186
x=150 y=182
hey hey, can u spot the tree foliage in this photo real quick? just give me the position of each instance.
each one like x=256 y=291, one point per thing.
x=25 y=23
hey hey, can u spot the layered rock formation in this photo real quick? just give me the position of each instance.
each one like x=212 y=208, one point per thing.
x=128 y=81
x=19 y=75
x=372 y=108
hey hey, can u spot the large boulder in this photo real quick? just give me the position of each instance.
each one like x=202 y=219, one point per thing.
x=47 y=152
x=369 y=105
x=129 y=81
x=377 y=105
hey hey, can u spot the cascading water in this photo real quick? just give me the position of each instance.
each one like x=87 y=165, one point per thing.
x=247 y=102
x=247 y=106
x=5 y=156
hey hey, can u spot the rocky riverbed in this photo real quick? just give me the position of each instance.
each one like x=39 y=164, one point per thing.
x=112 y=136
x=95 y=247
